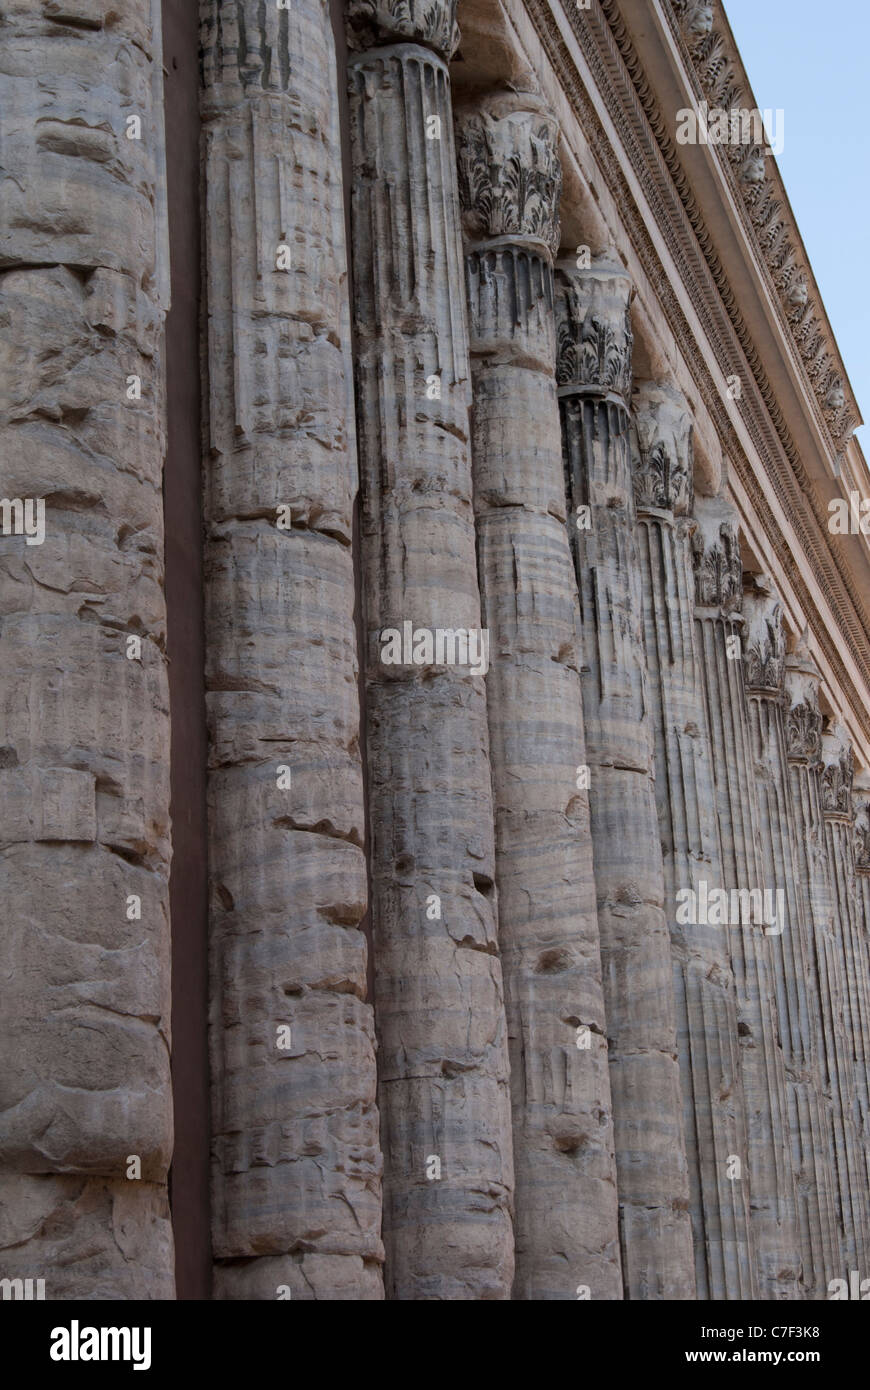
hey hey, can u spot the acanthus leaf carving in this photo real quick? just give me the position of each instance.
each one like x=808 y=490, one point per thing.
x=862 y=829
x=716 y=556
x=838 y=772
x=664 y=460
x=510 y=177
x=764 y=644
x=803 y=719
x=804 y=733
x=372 y=23
x=593 y=327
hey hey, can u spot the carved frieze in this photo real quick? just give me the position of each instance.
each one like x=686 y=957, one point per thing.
x=696 y=19
x=663 y=458
x=510 y=177
x=722 y=83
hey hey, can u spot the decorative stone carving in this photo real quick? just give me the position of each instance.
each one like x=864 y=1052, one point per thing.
x=663 y=470
x=804 y=733
x=803 y=716
x=373 y=23
x=838 y=770
x=696 y=19
x=861 y=792
x=510 y=178
x=716 y=554
x=764 y=642
x=594 y=328
x=716 y=67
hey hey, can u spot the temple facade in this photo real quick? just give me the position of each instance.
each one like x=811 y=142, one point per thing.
x=435 y=681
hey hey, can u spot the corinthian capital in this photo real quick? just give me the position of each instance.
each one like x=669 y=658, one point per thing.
x=371 y=23
x=510 y=178
x=716 y=553
x=663 y=465
x=593 y=327
x=862 y=823
x=764 y=640
x=838 y=770
x=803 y=722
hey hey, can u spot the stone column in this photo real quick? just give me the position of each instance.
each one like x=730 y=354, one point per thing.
x=594 y=376
x=836 y=787
x=566 y=1204
x=85 y=1104
x=769 y=1176
x=785 y=952
x=443 y=1060
x=296 y=1160
x=707 y=1033
x=803 y=720
x=861 y=798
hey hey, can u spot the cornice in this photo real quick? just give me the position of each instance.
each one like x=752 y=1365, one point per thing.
x=711 y=55
x=622 y=87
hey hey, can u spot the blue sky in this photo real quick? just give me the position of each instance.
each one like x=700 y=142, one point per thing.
x=811 y=60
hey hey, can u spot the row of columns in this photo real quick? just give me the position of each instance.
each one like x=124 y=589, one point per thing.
x=564 y=1087
x=583 y=1091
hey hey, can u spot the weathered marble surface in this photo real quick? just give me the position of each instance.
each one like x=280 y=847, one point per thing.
x=836 y=778
x=743 y=833
x=84 y=731
x=566 y=1215
x=296 y=1155
x=704 y=985
x=810 y=1225
x=442 y=1062
x=594 y=377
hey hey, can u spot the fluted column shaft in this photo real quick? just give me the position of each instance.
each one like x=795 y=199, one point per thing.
x=784 y=953
x=566 y=1213
x=803 y=721
x=707 y=1034
x=85 y=1103
x=296 y=1159
x=594 y=375
x=443 y=1062
x=861 y=797
x=768 y=1176
x=836 y=790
